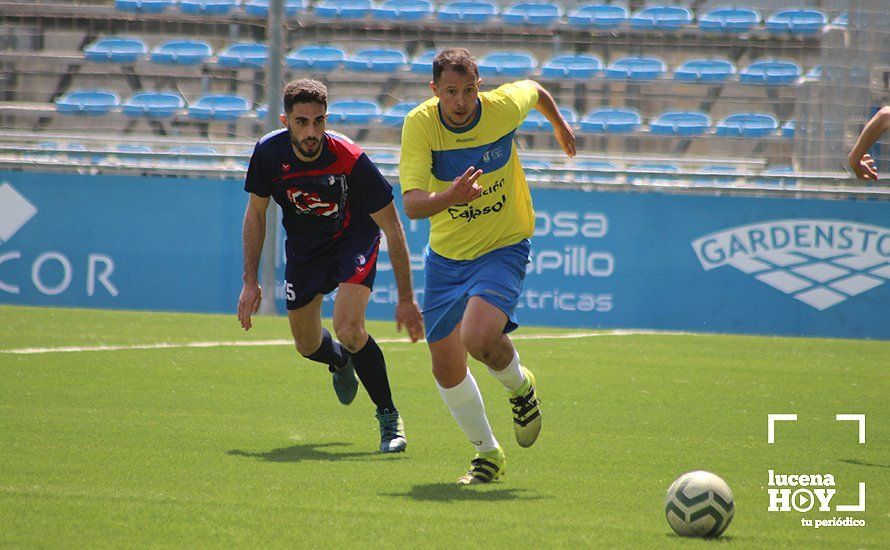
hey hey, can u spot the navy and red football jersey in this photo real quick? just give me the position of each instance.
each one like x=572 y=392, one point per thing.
x=322 y=199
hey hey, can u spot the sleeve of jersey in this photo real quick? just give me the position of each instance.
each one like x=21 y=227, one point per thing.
x=371 y=187
x=256 y=181
x=521 y=95
x=416 y=161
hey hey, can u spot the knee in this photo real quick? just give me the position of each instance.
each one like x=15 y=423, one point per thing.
x=351 y=334
x=479 y=344
x=448 y=375
x=306 y=348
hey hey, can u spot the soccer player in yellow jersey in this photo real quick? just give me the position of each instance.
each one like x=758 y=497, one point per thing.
x=459 y=167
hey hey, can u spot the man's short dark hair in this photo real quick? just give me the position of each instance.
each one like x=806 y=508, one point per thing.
x=304 y=91
x=458 y=60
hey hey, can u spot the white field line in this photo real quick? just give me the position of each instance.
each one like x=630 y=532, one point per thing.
x=249 y=343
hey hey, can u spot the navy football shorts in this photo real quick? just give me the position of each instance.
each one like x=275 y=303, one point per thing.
x=351 y=260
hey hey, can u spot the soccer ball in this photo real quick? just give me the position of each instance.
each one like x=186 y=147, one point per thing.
x=699 y=504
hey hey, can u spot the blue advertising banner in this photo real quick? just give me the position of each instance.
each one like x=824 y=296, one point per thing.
x=599 y=259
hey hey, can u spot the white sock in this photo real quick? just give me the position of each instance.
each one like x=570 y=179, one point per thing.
x=511 y=377
x=465 y=403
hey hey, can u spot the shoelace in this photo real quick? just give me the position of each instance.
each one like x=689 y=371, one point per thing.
x=389 y=425
x=523 y=404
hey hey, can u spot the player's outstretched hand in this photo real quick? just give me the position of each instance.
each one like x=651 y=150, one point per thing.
x=249 y=303
x=408 y=315
x=464 y=189
x=864 y=168
x=565 y=136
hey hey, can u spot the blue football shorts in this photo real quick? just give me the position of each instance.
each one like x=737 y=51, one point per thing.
x=351 y=260
x=496 y=277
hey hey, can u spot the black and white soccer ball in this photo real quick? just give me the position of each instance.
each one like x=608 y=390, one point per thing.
x=699 y=504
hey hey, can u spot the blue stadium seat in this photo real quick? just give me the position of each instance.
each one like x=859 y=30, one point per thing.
x=729 y=20
x=532 y=13
x=752 y=125
x=780 y=170
x=116 y=50
x=244 y=55
x=512 y=64
x=219 y=107
x=207 y=7
x=534 y=166
x=611 y=121
x=664 y=173
x=589 y=171
x=260 y=8
x=423 y=63
x=181 y=52
x=143 y=6
x=316 y=57
x=377 y=60
x=796 y=21
x=88 y=102
x=636 y=68
x=770 y=71
x=842 y=20
x=705 y=70
x=661 y=18
x=789 y=128
x=715 y=174
x=680 y=123
x=535 y=121
x=132 y=152
x=572 y=66
x=403 y=10
x=353 y=112
x=343 y=9
x=468 y=11
x=598 y=16
x=153 y=105
x=193 y=154
x=395 y=115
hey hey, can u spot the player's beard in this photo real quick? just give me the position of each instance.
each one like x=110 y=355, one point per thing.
x=303 y=150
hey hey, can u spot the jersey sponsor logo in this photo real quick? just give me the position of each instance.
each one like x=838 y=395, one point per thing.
x=307 y=202
x=469 y=212
x=285 y=167
x=360 y=259
x=822 y=263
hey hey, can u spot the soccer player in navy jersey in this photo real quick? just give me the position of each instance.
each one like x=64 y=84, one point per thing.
x=334 y=202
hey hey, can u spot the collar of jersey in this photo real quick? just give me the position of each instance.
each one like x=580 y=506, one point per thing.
x=466 y=128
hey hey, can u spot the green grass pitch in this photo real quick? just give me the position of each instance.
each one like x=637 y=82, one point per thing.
x=247 y=446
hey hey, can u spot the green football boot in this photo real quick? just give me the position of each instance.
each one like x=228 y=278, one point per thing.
x=526 y=411
x=345 y=382
x=392 y=431
x=485 y=468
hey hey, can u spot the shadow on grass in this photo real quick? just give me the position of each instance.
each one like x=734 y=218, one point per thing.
x=448 y=492
x=722 y=539
x=310 y=451
x=869 y=464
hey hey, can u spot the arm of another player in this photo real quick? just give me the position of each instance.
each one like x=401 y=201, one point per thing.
x=252 y=235
x=859 y=159
x=564 y=134
x=407 y=311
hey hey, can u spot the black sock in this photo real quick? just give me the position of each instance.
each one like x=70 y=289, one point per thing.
x=329 y=352
x=371 y=369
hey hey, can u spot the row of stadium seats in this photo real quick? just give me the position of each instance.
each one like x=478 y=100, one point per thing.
x=582 y=171
x=357 y=112
x=323 y=58
x=737 y=19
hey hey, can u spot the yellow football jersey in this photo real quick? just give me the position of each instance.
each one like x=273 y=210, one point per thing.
x=434 y=154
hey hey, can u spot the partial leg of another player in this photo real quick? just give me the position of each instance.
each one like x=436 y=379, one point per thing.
x=315 y=343
x=462 y=397
x=482 y=333
x=369 y=363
